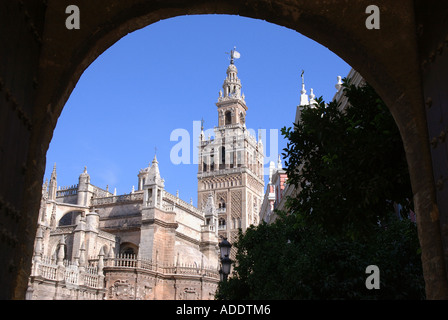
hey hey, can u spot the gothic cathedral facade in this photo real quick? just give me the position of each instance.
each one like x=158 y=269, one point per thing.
x=149 y=244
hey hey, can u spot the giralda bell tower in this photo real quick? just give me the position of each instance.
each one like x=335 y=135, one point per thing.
x=231 y=164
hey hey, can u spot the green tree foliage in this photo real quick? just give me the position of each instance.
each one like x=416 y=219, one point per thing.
x=282 y=262
x=354 y=165
x=352 y=171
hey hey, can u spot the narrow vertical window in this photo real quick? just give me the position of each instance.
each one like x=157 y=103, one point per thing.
x=228 y=117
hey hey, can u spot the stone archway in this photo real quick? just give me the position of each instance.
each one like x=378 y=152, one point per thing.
x=44 y=61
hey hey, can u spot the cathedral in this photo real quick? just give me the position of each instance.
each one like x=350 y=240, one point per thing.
x=149 y=244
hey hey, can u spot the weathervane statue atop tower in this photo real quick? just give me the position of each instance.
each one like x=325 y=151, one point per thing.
x=234 y=55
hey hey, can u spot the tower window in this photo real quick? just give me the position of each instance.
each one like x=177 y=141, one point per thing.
x=221 y=224
x=228 y=117
x=223 y=157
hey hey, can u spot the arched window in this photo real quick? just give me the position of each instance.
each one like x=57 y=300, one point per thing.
x=128 y=248
x=223 y=158
x=228 y=117
x=222 y=205
x=221 y=224
x=68 y=219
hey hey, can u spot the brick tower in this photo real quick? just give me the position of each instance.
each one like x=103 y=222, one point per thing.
x=231 y=164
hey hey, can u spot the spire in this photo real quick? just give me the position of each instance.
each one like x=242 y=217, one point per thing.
x=155 y=167
x=279 y=163
x=232 y=85
x=154 y=173
x=303 y=96
x=45 y=188
x=52 y=188
x=201 y=135
x=54 y=175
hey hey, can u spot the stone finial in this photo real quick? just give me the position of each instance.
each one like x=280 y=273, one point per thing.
x=111 y=252
x=210 y=209
x=61 y=252
x=312 y=96
x=82 y=256
x=101 y=261
x=338 y=85
x=38 y=245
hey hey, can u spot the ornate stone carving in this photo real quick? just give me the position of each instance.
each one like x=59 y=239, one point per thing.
x=189 y=294
x=121 y=290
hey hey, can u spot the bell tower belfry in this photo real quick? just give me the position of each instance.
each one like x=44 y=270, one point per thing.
x=231 y=165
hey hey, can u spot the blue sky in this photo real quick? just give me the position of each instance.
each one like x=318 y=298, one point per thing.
x=168 y=75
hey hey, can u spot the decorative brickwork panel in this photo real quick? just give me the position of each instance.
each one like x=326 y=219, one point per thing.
x=236 y=203
x=254 y=184
x=221 y=196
